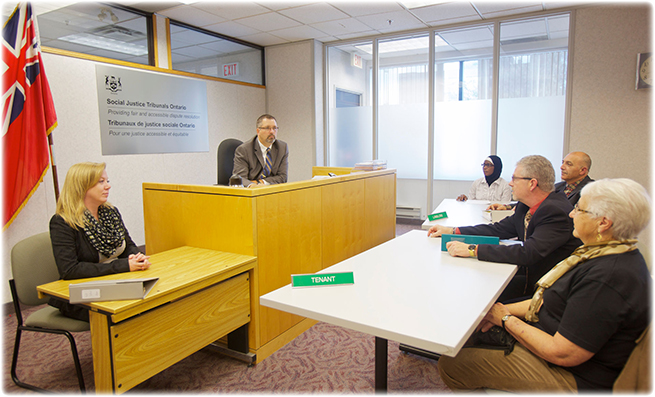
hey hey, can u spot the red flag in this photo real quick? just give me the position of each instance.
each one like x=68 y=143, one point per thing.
x=28 y=113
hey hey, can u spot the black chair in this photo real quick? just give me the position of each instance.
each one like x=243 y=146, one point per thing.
x=225 y=159
x=33 y=264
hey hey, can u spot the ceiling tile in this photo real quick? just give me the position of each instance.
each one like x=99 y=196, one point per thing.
x=232 y=10
x=231 y=28
x=269 y=21
x=264 y=39
x=282 y=5
x=299 y=33
x=486 y=7
x=400 y=20
x=455 y=20
x=342 y=27
x=359 y=34
x=442 y=12
x=314 y=13
x=490 y=15
x=192 y=16
x=356 y=9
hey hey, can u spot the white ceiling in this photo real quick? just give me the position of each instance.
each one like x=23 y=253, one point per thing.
x=275 y=22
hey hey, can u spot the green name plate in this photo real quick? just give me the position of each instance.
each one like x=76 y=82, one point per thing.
x=438 y=215
x=314 y=280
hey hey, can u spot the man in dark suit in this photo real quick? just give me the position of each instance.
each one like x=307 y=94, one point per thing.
x=547 y=240
x=262 y=160
x=575 y=175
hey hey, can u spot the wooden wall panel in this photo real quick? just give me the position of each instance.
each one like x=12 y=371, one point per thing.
x=344 y=215
x=174 y=219
x=289 y=242
x=380 y=210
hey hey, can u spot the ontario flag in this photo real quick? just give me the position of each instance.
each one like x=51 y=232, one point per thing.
x=28 y=113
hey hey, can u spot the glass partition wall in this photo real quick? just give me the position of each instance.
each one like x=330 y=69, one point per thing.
x=496 y=88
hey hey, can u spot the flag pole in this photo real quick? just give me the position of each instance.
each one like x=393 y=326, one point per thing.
x=55 y=179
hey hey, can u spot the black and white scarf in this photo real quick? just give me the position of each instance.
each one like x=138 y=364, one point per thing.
x=107 y=233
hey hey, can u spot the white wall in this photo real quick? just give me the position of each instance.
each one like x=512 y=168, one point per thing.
x=610 y=120
x=232 y=112
x=291 y=97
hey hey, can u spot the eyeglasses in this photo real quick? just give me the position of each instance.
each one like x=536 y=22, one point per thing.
x=514 y=178
x=268 y=128
x=486 y=165
x=576 y=208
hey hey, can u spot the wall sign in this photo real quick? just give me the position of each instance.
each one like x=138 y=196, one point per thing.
x=231 y=70
x=145 y=113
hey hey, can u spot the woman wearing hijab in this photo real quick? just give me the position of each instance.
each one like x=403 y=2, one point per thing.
x=88 y=236
x=492 y=187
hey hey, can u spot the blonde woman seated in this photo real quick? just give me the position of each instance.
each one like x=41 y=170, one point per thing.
x=492 y=187
x=88 y=236
x=580 y=327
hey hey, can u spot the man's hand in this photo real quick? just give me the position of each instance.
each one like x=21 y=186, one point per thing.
x=458 y=248
x=462 y=197
x=497 y=207
x=438 y=230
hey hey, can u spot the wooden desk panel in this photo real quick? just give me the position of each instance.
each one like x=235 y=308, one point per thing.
x=289 y=242
x=292 y=228
x=201 y=295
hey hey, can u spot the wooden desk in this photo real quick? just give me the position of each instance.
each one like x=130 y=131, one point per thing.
x=292 y=228
x=201 y=296
x=406 y=290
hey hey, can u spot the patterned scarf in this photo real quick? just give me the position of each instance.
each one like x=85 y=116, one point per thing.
x=581 y=254
x=107 y=233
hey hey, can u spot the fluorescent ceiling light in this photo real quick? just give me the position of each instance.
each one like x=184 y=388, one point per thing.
x=409 y=4
x=105 y=43
x=415 y=43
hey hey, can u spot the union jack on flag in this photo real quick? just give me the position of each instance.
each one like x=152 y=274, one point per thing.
x=28 y=113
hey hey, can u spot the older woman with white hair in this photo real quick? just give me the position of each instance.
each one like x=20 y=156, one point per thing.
x=579 y=328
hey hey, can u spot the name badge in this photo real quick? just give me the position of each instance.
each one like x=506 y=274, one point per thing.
x=438 y=215
x=320 y=279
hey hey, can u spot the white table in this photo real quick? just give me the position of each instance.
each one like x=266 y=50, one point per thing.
x=460 y=213
x=406 y=290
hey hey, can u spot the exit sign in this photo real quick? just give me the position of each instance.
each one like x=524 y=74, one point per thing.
x=231 y=69
x=357 y=61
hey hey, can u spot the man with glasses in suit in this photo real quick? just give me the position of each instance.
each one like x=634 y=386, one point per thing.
x=540 y=221
x=264 y=159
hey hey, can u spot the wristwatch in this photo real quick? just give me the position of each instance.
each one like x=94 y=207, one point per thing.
x=505 y=318
x=472 y=250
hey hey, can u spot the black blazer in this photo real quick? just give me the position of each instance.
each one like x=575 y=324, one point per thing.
x=575 y=194
x=77 y=258
x=249 y=161
x=549 y=238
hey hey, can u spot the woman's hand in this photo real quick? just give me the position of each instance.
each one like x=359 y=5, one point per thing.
x=494 y=317
x=138 y=262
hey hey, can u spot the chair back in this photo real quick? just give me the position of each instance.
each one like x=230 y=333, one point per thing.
x=225 y=159
x=33 y=264
x=636 y=375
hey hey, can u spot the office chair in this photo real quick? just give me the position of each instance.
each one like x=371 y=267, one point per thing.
x=33 y=264
x=225 y=159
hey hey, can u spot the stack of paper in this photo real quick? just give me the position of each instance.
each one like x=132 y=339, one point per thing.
x=371 y=165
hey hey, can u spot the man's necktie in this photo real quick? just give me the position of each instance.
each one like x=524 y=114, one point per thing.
x=526 y=222
x=268 y=164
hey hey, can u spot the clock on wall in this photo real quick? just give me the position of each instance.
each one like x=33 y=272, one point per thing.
x=644 y=71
